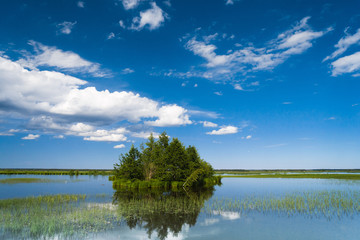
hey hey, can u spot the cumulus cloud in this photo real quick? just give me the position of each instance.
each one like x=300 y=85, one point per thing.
x=130 y=4
x=347 y=64
x=294 y=41
x=62 y=60
x=224 y=130
x=122 y=24
x=59 y=136
x=57 y=103
x=209 y=124
x=151 y=18
x=119 y=146
x=31 y=137
x=170 y=115
x=344 y=43
x=127 y=71
x=66 y=27
x=145 y=135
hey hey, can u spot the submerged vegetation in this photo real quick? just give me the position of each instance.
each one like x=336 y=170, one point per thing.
x=326 y=204
x=44 y=217
x=80 y=216
x=163 y=164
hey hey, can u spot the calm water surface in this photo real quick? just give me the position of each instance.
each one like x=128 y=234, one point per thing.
x=207 y=224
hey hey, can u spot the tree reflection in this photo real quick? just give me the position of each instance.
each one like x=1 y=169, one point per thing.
x=161 y=212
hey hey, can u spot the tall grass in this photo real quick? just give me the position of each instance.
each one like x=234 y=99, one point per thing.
x=326 y=204
x=45 y=217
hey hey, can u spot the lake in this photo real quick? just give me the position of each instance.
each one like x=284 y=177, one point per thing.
x=87 y=207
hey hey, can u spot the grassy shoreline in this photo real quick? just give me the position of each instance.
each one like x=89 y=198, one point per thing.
x=70 y=172
x=303 y=175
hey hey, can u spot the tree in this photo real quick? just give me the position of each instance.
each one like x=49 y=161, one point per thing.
x=161 y=160
x=177 y=162
x=149 y=154
x=130 y=165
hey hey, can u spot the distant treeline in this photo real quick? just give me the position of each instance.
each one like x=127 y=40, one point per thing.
x=71 y=172
x=244 y=171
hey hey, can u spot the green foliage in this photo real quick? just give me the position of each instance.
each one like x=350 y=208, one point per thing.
x=130 y=166
x=164 y=161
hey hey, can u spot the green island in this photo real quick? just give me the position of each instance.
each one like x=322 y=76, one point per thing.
x=163 y=164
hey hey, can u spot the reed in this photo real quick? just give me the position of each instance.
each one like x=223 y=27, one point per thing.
x=54 y=215
x=326 y=204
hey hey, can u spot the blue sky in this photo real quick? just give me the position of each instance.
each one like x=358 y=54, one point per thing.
x=252 y=84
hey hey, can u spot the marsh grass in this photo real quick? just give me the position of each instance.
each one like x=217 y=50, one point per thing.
x=35 y=180
x=45 y=217
x=326 y=204
x=80 y=216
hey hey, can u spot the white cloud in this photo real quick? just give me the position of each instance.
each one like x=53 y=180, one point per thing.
x=218 y=93
x=208 y=114
x=145 y=135
x=66 y=27
x=287 y=103
x=152 y=18
x=224 y=130
x=229 y=2
x=31 y=137
x=80 y=4
x=344 y=43
x=130 y=4
x=59 y=136
x=167 y=3
x=294 y=41
x=111 y=36
x=101 y=135
x=127 y=71
x=54 y=102
x=195 y=85
x=122 y=24
x=248 y=137
x=6 y=134
x=64 y=60
x=347 y=64
x=119 y=146
x=238 y=87
x=170 y=115
x=209 y=124
x=81 y=127
x=14 y=130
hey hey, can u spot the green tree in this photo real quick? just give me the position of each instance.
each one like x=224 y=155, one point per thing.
x=149 y=154
x=130 y=166
x=176 y=162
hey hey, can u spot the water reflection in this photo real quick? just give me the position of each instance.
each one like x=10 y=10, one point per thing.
x=161 y=212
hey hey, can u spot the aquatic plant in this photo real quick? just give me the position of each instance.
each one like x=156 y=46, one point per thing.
x=326 y=204
x=54 y=215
